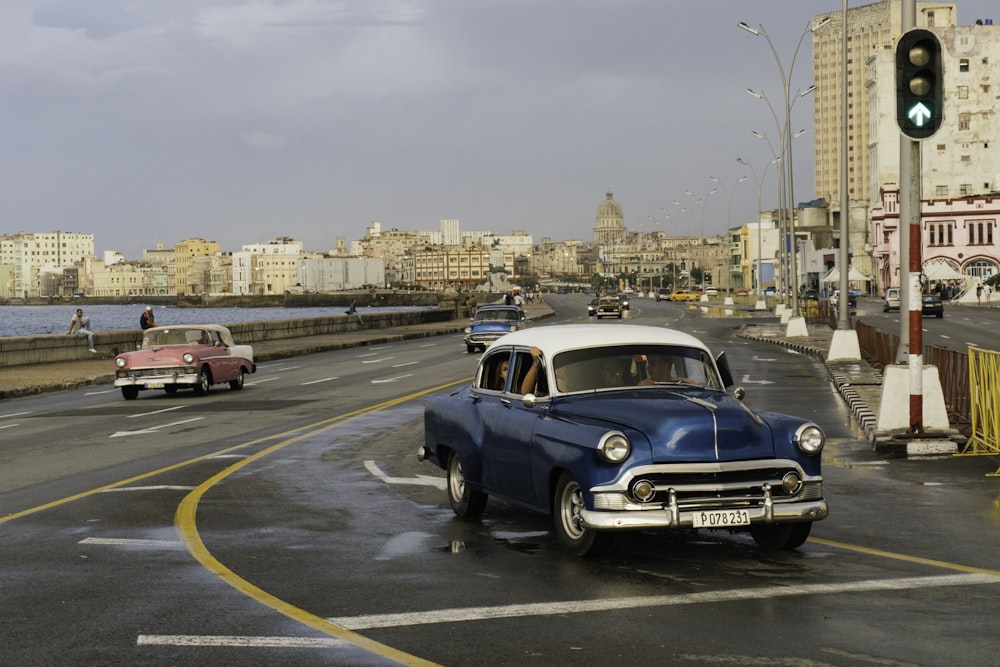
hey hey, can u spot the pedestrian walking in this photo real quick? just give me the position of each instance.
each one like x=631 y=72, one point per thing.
x=81 y=325
x=979 y=293
x=147 y=320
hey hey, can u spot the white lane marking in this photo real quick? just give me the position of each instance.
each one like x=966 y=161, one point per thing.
x=98 y=393
x=335 y=377
x=261 y=381
x=747 y=380
x=120 y=542
x=378 y=361
x=235 y=641
x=9 y=425
x=756 y=358
x=367 y=354
x=419 y=480
x=428 y=345
x=159 y=487
x=408 y=363
x=392 y=379
x=153 y=429
x=156 y=412
x=15 y=414
x=279 y=368
x=589 y=606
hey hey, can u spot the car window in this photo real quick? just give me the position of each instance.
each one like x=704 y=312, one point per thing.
x=493 y=372
x=631 y=366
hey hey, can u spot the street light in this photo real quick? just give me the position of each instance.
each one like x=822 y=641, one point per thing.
x=760 y=249
x=701 y=202
x=787 y=154
x=729 y=203
x=687 y=220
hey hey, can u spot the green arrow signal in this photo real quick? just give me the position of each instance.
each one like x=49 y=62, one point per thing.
x=919 y=114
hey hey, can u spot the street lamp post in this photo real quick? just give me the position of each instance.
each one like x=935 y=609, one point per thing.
x=729 y=203
x=701 y=202
x=687 y=220
x=760 y=248
x=787 y=153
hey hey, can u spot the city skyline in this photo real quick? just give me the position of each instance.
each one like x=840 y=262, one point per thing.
x=246 y=121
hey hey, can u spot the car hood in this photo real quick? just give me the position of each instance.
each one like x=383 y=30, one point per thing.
x=681 y=425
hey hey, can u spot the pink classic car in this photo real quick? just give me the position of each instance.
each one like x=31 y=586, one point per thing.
x=195 y=356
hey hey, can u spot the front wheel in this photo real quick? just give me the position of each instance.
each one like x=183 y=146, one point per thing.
x=204 y=382
x=784 y=536
x=130 y=393
x=567 y=507
x=465 y=502
x=237 y=384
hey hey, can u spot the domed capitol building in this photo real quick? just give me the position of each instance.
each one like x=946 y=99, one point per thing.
x=648 y=257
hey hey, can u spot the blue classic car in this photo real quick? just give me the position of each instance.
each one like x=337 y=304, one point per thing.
x=490 y=323
x=623 y=428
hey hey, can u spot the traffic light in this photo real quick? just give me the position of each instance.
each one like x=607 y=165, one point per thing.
x=919 y=84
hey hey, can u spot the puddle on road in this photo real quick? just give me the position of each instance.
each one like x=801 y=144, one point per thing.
x=718 y=312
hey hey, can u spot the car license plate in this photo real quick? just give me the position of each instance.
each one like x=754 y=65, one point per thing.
x=154 y=385
x=721 y=518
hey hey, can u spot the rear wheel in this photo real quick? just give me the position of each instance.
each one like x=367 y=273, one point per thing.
x=204 y=382
x=464 y=501
x=237 y=384
x=567 y=506
x=130 y=393
x=785 y=536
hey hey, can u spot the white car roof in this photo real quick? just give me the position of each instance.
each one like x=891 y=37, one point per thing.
x=556 y=338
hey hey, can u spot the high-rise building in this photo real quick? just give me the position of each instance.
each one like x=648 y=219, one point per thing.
x=871 y=30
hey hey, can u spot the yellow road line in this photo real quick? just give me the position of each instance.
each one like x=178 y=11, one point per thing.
x=904 y=557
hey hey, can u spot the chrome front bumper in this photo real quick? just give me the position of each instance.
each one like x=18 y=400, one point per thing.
x=669 y=515
x=159 y=379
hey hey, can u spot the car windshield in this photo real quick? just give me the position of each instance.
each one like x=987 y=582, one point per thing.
x=634 y=366
x=177 y=337
x=497 y=315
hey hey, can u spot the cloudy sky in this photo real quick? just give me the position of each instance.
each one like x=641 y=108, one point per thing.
x=243 y=120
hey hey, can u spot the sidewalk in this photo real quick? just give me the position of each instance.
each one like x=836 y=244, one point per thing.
x=41 y=378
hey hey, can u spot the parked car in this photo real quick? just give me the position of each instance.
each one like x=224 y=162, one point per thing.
x=684 y=295
x=491 y=322
x=712 y=291
x=189 y=356
x=623 y=428
x=592 y=307
x=609 y=306
x=891 y=300
x=931 y=304
x=662 y=293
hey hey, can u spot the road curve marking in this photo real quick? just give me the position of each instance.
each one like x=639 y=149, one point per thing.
x=185 y=521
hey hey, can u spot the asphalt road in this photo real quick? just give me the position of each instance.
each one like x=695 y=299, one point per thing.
x=291 y=523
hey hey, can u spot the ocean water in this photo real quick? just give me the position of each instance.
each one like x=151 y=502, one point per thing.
x=35 y=320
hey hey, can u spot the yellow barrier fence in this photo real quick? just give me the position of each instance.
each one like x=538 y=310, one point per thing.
x=984 y=394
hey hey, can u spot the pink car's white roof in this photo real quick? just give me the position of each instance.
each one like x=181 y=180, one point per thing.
x=552 y=340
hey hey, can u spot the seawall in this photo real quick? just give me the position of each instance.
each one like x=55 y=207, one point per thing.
x=20 y=350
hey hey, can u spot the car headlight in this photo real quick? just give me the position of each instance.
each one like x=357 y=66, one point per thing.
x=614 y=447
x=120 y=362
x=188 y=358
x=468 y=329
x=513 y=327
x=809 y=438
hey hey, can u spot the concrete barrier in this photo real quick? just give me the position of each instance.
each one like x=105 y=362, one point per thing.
x=20 y=350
